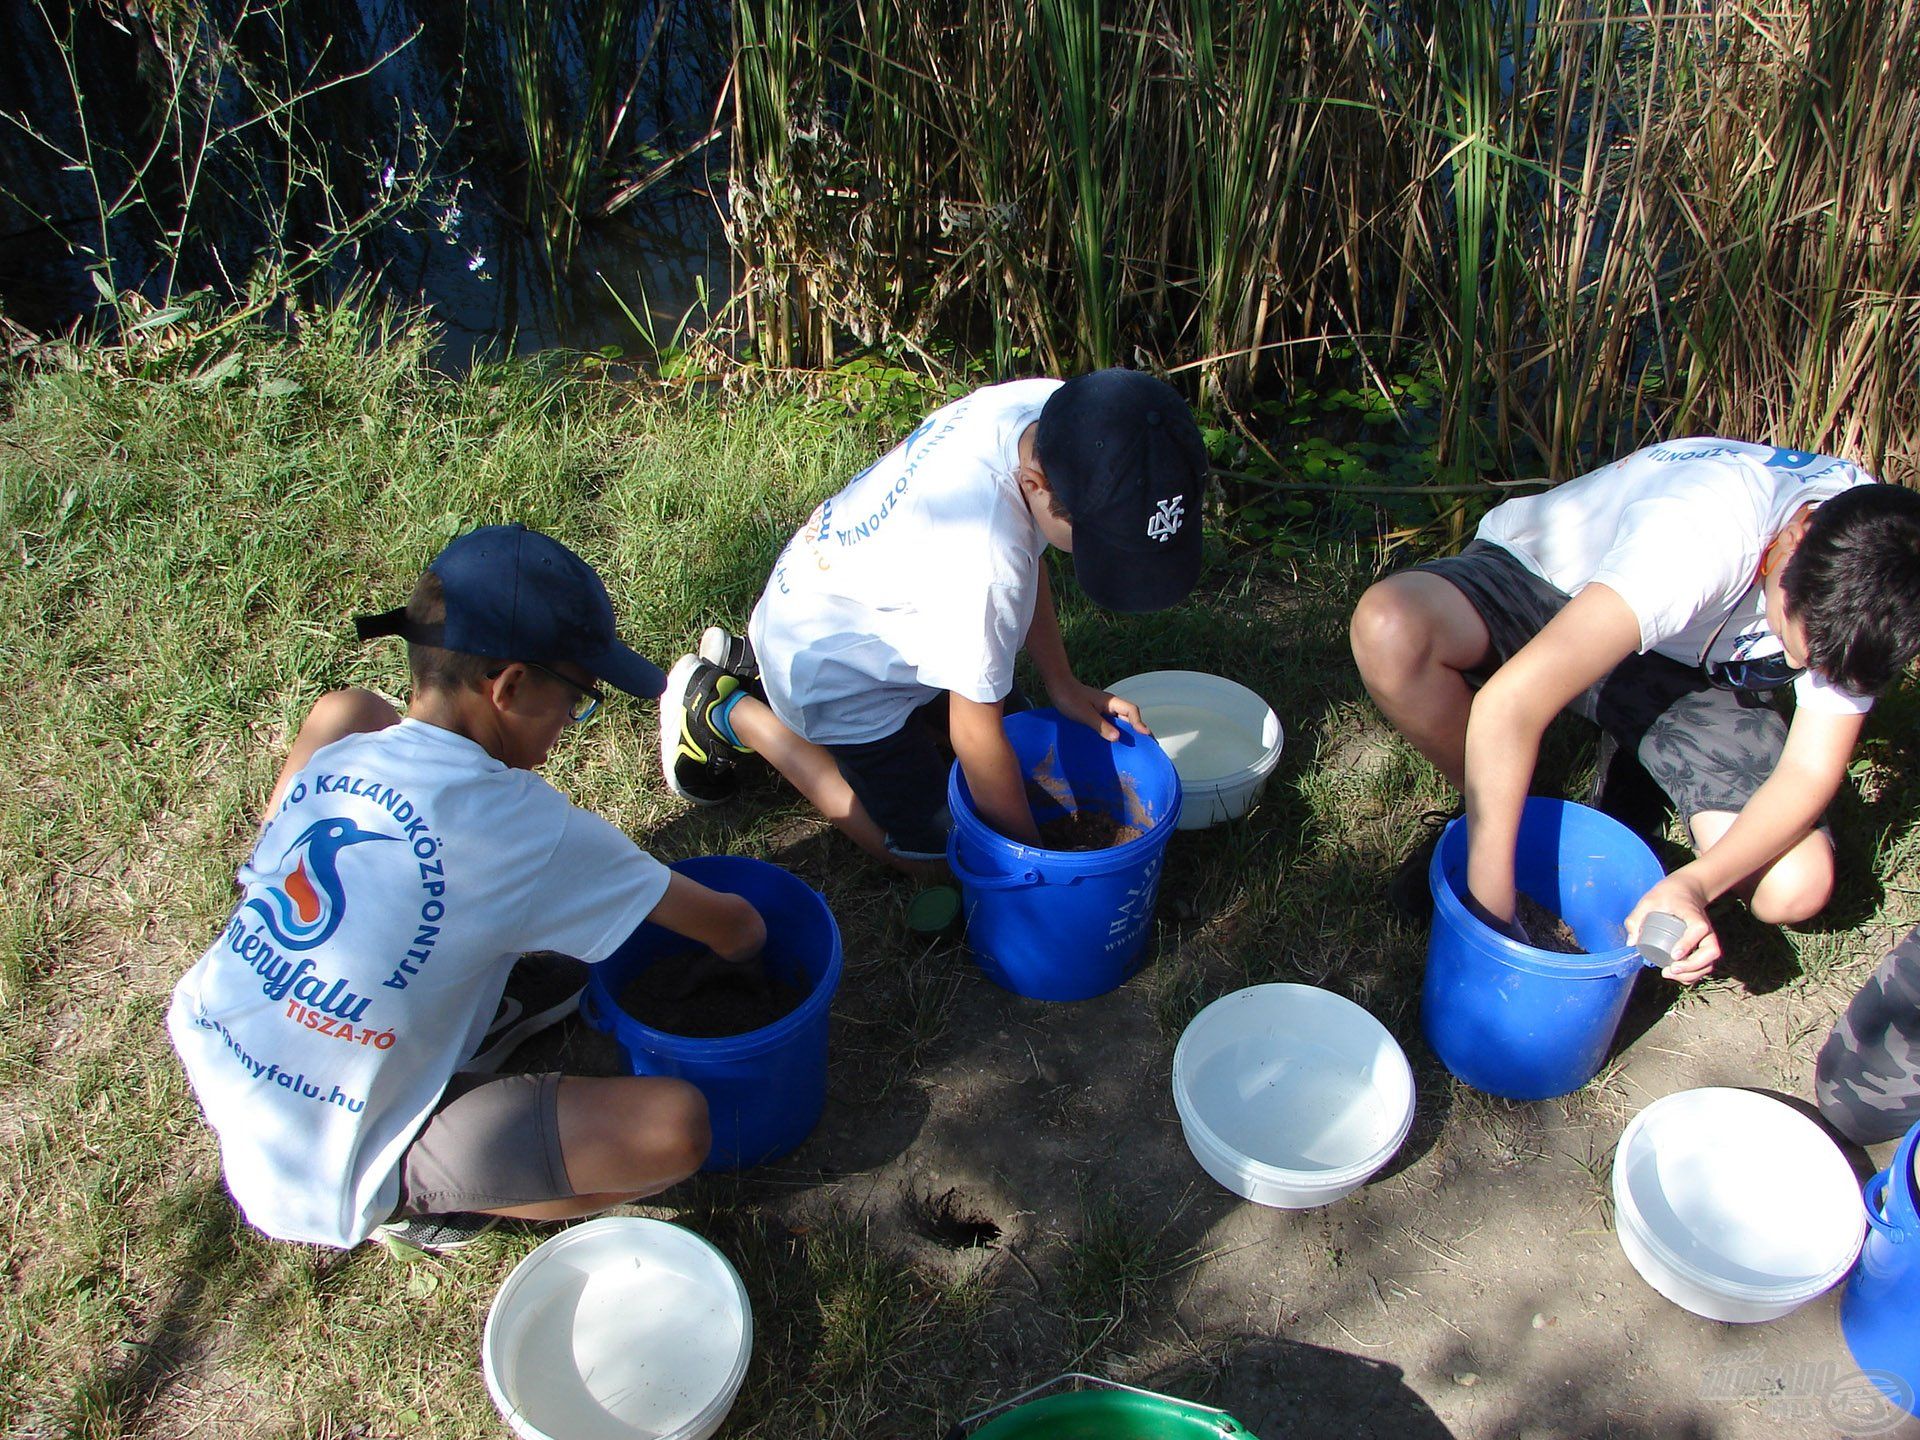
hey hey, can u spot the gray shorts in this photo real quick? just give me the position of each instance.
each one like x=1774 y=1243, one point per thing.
x=1708 y=748
x=492 y=1143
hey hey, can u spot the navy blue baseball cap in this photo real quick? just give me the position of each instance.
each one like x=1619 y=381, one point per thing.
x=515 y=594
x=1122 y=452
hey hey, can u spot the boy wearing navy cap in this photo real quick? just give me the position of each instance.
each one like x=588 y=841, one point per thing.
x=340 y=1032
x=898 y=608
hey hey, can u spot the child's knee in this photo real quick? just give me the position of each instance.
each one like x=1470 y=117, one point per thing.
x=349 y=712
x=680 y=1132
x=1796 y=887
x=1388 y=629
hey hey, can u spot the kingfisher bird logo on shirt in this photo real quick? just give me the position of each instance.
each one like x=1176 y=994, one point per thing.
x=307 y=902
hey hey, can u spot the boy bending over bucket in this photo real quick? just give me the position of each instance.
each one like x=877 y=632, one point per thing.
x=1664 y=596
x=340 y=1031
x=896 y=611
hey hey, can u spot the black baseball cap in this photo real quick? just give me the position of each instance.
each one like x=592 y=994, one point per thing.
x=1122 y=453
x=515 y=594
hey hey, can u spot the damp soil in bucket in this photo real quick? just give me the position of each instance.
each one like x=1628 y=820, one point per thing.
x=1085 y=828
x=692 y=995
x=1544 y=929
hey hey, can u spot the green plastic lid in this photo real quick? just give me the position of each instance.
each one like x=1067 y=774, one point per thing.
x=1094 y=1415
x=934 y=910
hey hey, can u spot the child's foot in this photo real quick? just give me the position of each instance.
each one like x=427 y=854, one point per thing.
x=543 y=990
x=695 y=756
x=732 y=653
x=1623 y=789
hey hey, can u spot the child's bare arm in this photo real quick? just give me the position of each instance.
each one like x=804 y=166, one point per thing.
x=1595 y=632
x=1782 y=811
x=1071 y=696
x=725 y=924
x=994 y=777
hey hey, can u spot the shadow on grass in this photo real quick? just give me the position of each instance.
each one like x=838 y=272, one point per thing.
x=128 y=1380
x=1756 y=954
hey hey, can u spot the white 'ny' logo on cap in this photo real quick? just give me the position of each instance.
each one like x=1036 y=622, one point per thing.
x=1164 y=523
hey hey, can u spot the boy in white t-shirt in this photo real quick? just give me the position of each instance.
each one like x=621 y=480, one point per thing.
x=894 y=614
x=330 y=1032
x=1659 y=596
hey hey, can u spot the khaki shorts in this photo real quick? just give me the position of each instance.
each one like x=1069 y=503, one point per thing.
x=493 y=1143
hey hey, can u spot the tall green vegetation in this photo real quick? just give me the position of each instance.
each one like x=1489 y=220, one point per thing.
x=1598 y=219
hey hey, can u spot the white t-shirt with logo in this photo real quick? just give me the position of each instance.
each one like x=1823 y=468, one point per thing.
x=381 y=910
x=920 y=576
x=1678 y=530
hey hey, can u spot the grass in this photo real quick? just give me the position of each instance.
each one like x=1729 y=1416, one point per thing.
x=183 y=561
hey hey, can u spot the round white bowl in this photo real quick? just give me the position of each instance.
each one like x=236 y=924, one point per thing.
x=1223 y=739
x=1734 y=1205
x=619 y=1329
x=1290 y=1095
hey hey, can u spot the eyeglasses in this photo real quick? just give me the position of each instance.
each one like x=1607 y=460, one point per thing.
x=1768 y=672
x=586 y=699
x=1762 y=672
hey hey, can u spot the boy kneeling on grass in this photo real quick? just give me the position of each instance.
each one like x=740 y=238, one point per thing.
x=894 y=614
x=341 y=1031
x=1662 y=596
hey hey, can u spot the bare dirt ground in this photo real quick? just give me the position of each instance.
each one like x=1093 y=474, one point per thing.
x=1474 y=1289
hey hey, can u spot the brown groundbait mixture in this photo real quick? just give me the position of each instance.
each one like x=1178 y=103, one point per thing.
x=1545 y=929
x=670 y=995
x=1083 y=829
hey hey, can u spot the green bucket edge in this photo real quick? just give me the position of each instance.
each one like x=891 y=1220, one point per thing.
x=1093 y=1414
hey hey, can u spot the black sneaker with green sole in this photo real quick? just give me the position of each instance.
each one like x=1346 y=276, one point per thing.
x=696 y=759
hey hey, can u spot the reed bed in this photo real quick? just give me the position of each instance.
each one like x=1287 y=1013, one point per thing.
x=1598 y=220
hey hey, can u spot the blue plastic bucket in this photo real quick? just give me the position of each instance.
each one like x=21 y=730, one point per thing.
x=765 y=1089
x=1065 y=924
x=1526 y=1023
x=1880 y=1309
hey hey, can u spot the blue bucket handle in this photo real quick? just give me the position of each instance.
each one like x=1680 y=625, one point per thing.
x=1874 y=1193
x=590 y=1010
x=1018 y=881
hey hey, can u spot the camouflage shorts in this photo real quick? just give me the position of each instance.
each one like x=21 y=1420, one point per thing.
x=1868 y=1077
x=1709 y=749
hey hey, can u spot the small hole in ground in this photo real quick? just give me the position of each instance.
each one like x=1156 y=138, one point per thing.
x=948 y=1220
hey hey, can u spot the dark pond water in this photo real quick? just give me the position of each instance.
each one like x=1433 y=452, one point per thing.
x=548 y=171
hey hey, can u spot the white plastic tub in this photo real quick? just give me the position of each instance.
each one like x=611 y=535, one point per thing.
x=619 y=1329
x=1290 y=1095
x=1223 y=739
x=1734 y=1205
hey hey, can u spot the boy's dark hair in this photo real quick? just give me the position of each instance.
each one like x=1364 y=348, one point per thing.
x=1854 y=583
x=434 y=668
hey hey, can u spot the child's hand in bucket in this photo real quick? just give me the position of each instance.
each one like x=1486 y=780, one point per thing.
x=709 y=971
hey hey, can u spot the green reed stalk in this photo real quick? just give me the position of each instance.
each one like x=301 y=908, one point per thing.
x=1069 y=73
